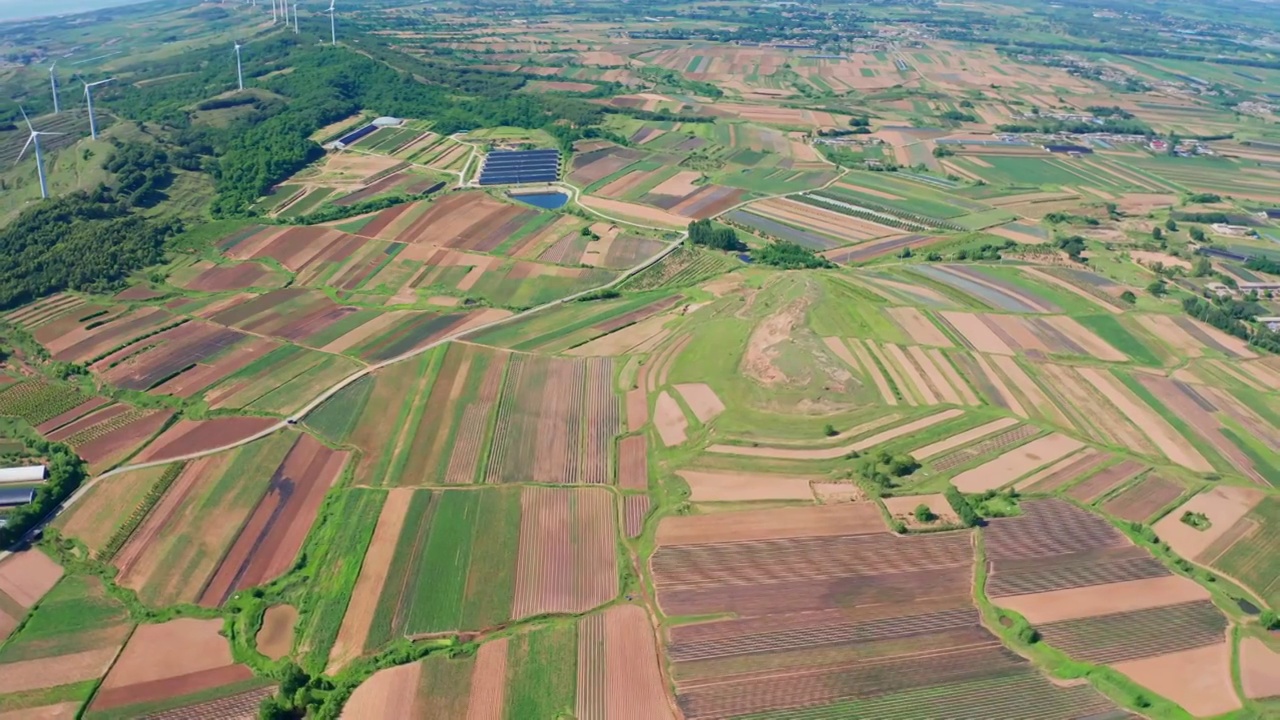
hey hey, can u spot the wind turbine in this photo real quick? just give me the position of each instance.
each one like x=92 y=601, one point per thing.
x=274 y=12
x=53 y=80
x=284 y=7
x=295 y=18
x=88 y=98
x=34 y=139
x=239 y=74
x=333 y=33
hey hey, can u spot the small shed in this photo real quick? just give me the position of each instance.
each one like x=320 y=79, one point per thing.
x=23 y=474
x=13 y=497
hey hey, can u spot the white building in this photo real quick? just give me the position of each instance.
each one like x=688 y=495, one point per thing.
x=25 y=474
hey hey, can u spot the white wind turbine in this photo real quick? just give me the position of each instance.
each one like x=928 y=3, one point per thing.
x=53 y=80
x=333 y=33
x=88 y=98
x=34 y=139
x=295 y=18
x=284 y=7
x=239 y=73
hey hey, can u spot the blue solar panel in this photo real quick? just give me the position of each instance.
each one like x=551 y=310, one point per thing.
x=504 y=167
x=357 y=134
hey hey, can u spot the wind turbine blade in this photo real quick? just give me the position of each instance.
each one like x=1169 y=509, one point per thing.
x=24 y=117
x=24 y=148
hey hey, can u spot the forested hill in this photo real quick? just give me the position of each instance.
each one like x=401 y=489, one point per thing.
x=94 y=240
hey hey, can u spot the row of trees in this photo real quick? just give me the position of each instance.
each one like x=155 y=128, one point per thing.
x=1235 y=318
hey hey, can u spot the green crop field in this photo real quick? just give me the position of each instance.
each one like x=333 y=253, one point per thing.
x=1255 y=559
x=540 y=679
x=343 y=531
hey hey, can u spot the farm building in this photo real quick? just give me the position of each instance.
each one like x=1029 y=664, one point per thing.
x=13 y=497
x=24 y=474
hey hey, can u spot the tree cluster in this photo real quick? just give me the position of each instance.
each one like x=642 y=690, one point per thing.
x=702 y=232
x=76 y=242
x=1234 y=317
x=790 y=256
x=66 y=472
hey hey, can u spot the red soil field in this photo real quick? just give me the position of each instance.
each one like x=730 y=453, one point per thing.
x=802 y=574
x=192 y=436
x=188 y=481
x=137 y=292
x=235 y=276
x=389 y=693
x=637 y=408
x=202 y=376
x=567 y=560
x=633 y=463
x=80 y=410
x=602 y=419
x=105 y=415
x=777 y=523
x=468 y=220
x=110 y=443
x=170 y=352
x=634 y=510
x=489 y=682
x=1141 y=501
x=618 y=667
x=85 y=343
x=373 y=575
x=271 y=537
x=1103 y=482
x=384 y=218
x=241 y=706
x=26 y=576
x=175 y=658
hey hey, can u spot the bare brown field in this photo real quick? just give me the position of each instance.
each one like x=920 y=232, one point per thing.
x=567 y=560
x=26 y=576
x=1223 y=505
x=1105 y=599
x=373 y=575
x=633 y=463
x=1199 y=679
x=918 y=327
x=180 y=657
x=712 y=486
x=1259 y=669
x=1016 y=463
x=275 y=637
x=701 y=399
x=670 y=420
x=817 y=521
x=963 y=438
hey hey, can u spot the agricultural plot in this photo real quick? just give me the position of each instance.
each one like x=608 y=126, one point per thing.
x=807 y=638
x=556 y=422
x=475 y=559
x=532 y=675
x=25 y=577
x=169 y=666
x=1239 y=535
x=105 y=436
x=1093 y=595
x=173 y=554
x=72 y=638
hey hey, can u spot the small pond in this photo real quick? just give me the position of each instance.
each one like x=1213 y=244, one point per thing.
x=1247 y=607
x=549 y=200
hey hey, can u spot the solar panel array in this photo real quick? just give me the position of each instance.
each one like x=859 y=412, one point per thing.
x=355 y=135
x=508 y=167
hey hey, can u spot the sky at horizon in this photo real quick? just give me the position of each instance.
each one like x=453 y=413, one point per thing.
x=26 y=9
